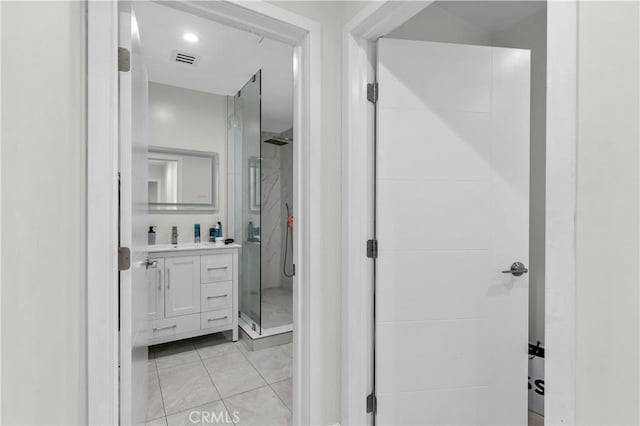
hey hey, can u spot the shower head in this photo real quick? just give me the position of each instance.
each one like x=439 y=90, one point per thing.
x=277 y=140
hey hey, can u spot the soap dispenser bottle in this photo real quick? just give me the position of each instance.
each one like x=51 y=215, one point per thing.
x=174 y=235
x=196 y=233
x=151 y=240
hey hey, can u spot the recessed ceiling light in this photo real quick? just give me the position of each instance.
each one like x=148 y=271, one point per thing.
x=190 y=37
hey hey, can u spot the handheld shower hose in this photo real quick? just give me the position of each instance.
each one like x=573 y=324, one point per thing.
x=288 y=238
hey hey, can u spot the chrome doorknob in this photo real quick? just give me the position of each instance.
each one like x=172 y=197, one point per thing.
x=517 y=269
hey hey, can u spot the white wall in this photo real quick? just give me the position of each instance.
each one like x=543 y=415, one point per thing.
x=436 y=24
x=607 y=284
x=188 y=119
x=331 y=16
x=43 y=213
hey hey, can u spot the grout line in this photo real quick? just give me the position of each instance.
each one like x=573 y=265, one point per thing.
x=164 y=410
x=204 y=403
x=279 y=397
x=269 y=384
x=218 y=390
x=181 y=365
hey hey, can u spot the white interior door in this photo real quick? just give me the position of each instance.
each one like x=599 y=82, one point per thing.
x=453 y=212
x=133 y=228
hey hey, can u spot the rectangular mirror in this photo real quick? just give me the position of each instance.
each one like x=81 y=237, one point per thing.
x=182 y=180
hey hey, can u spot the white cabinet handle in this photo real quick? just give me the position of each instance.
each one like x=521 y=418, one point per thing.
x=168 y=280
x=217 y=297
x=160 y=279
x=217 y=267
x=216 y=319
x=164 y=328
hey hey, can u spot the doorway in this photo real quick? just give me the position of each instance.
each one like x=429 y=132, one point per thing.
x=264 y=23
x=406 y=26
x=217 y=97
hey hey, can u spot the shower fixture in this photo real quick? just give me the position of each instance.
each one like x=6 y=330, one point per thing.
x=277 y=140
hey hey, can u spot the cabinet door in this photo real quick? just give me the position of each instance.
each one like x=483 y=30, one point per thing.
x=182 y=285
x=155 y=289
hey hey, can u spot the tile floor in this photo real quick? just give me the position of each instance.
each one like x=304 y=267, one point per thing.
x=535 y=419
x=211 y=380
x=277 y=307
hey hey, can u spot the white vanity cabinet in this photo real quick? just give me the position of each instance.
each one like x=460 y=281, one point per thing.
x=193 y=290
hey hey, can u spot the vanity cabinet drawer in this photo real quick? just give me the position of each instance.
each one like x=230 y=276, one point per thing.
x=213 y=319
x=216 y=296
x=172 y=326
x=216 y=267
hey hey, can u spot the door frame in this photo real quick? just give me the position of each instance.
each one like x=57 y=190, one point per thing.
x=374 y=21
x=303 y=35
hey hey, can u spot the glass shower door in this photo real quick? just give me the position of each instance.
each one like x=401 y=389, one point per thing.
x=247 y=110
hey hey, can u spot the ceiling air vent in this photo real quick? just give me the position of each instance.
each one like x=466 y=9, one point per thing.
x=184 y=58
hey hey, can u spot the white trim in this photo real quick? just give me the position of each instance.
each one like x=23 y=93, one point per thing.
x=266 y=332
x=377 y=20
x=560 y=262
x=270 y=21
x=372 y=22
x=102 y=204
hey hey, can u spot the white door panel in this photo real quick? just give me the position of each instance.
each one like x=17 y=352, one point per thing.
x=134 y=224
x=457 y=76
x=420 y=132
x=434 y=407
x=182 y=285
x=415 y=273
x=453 y=203
x=433 y=214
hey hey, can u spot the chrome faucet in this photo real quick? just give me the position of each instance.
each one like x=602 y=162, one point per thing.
x=174 y=235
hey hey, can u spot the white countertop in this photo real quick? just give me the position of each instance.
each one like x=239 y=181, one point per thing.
x=190 y=246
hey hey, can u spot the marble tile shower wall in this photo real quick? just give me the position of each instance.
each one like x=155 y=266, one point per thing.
x=286 y=196
x=277 y=188
x=271 y=224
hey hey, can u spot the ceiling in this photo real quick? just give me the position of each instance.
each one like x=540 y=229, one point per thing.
x=228 y=57
x=492 y=16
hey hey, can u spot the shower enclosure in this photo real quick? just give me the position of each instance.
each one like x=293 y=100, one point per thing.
x=261 y=185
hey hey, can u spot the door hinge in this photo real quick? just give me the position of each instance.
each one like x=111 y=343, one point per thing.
x=124 y=258
x=372 y=249
x=372 y=403
x=372 y=92
x=124 y=59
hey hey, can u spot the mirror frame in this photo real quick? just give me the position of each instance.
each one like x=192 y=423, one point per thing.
x=186 y=207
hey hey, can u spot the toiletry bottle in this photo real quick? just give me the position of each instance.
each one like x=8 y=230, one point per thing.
x=250 y=230
x=219 y=229
x=151 y=240
x=212 y=234
x=196 y=233
x=174 y=235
